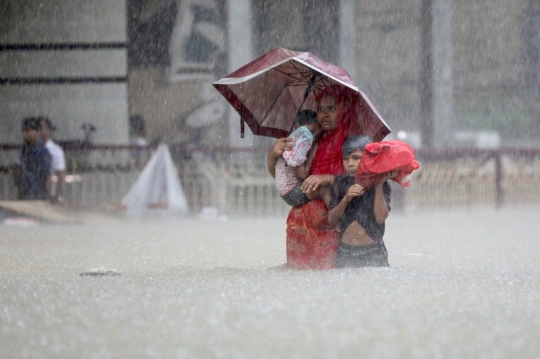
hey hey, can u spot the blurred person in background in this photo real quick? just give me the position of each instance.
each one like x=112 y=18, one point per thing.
x=58 y=170
x=33 y=173
x=139 y=152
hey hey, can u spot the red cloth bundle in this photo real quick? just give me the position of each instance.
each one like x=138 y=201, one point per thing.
x=379 y=158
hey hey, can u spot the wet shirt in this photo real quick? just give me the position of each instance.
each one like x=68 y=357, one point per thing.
x=57 y=154
x=361 y=208
x=36 y=164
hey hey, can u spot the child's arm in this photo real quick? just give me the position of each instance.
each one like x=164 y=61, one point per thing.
x=380 y=207
x=335 y=214
x=277 y=149
x=303 y=170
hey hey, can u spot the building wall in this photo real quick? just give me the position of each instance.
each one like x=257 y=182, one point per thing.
x=164 y=106
x=488 y=65
x=388 y=50
x=71 y=85
x=488 y=61
x=167 y=83
x=302 y=25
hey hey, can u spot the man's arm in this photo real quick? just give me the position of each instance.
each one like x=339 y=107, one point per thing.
x=60 y=175
x=61 y=179
x=47 y=167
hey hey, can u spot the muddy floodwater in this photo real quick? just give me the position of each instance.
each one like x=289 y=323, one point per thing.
x=462 y=284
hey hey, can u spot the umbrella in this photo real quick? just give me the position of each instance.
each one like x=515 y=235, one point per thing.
x=269 y=91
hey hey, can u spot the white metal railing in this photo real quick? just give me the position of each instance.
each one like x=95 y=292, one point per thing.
x=242 y=187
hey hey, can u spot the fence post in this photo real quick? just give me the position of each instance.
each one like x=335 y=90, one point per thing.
x=499 y=192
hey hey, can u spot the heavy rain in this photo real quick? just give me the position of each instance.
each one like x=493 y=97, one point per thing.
x=151 y=226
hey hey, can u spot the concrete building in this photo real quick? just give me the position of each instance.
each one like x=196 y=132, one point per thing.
x=99 y=62
x=66 y=60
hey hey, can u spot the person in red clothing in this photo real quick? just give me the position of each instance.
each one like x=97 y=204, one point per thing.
x=311 y=241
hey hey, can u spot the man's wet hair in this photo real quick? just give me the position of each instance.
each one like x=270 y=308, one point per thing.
x=355 y=143
x=31 y=123
x=304 y=117
x=47 y=122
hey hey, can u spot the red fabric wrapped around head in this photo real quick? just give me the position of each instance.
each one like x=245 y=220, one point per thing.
x=347 y=110
x=328 y=159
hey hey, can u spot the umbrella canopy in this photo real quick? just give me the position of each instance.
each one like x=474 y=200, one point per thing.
x=269 y=91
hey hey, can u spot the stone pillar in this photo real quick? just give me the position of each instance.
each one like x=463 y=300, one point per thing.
x=531 y=57
x=443 y=81
x=436 y=75
x=426 y=76
x=240 y=53
x=347 y=36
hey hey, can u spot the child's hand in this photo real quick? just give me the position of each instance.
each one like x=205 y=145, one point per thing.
x=355 y=191
x=390 y=174
x=281 y=145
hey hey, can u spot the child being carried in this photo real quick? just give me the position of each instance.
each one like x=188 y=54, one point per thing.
x=294 y=166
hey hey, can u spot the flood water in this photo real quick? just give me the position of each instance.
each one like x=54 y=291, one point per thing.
x=462 y=284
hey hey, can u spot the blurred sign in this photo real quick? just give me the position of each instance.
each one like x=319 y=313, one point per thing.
x=198 y=38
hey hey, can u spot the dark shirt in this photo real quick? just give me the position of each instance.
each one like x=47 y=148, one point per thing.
x=360 y=208
x=35 y=168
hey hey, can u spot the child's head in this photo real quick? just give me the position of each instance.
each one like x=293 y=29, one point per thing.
x=307 y=118
x=352 y=151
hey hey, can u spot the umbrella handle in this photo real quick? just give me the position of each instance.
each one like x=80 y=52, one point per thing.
x=242 y=127
x=309 y=87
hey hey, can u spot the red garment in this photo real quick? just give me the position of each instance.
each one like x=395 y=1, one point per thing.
x=311 y=242
x=328 y=159
x=382 y=157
